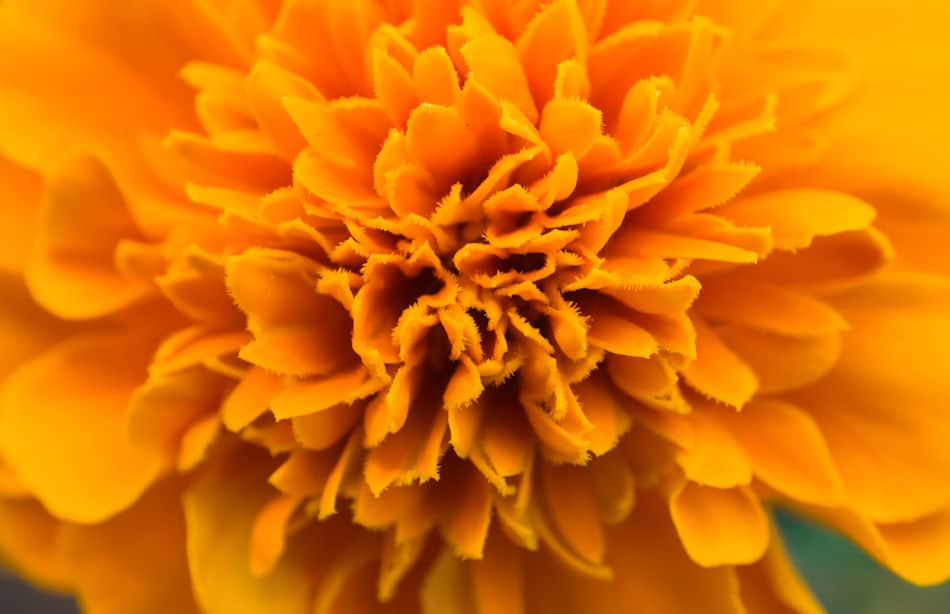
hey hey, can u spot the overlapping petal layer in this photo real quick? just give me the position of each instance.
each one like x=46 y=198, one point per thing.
x=522 y=307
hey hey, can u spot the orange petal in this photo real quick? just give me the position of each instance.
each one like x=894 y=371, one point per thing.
x=25 y=328
x=72 y=270
x=916 y=550
x=267 y=85
x=321 y=393
x=720 y=526
x=554 y=35
x=572 y=507
x=829 y=263
x=882 y=408
x=612 y=329
x=498 y=579
x=465 y=523
x=50 y=48
x=805 y=360
x=769 y=308
x=653 y=574
x=152 y=533
x=161 y=411
x=796 y=217
x=787 y=450
x=715 y=457
x=30 y=543
x=220 y=508
x=84 y=478
x=439 y=140
x=269 y=534
x=570 y=126
x=493 y=62
x=250 y=399
x=323 y=429
x=717 y=372
x=773 y=584
x=19 y=211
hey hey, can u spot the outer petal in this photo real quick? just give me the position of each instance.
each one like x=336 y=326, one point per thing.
x=18 y=207
x=903 y=93
x=220 y=510
x=117 y=66
x=652 y=574
x=72 y=270
x=63 y=429
x=99 y=559
x=25 y=329
x=29 y=542
x=883 y=409
x=772 y=586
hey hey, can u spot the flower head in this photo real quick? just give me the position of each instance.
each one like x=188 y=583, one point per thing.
x=456 y=306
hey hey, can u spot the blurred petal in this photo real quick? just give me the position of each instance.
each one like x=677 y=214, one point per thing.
x=883 y=409
x=63 y=427
x=220 y=509
x=18 y=209
x=29 y=543
x=134 y=562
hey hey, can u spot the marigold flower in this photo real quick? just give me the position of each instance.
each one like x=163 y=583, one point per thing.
x=467 y=306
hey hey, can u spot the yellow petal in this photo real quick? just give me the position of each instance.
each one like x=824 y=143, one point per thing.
x=81 y=465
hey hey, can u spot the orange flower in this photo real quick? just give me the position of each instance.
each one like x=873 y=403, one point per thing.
x=467 y=306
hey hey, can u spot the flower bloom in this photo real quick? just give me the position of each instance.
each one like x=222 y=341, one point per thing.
x=466 y=306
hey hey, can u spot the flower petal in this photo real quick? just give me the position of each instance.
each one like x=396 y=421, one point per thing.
x=81 y=464
x=72 y=270
x=220 y=509
x=29 y=543
x=773 y=586
x=651 y=572
x=717 y=372
x=151 y=533
x=883 y=408
x=786 y=450
x=18 y=210
x=720 y=526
